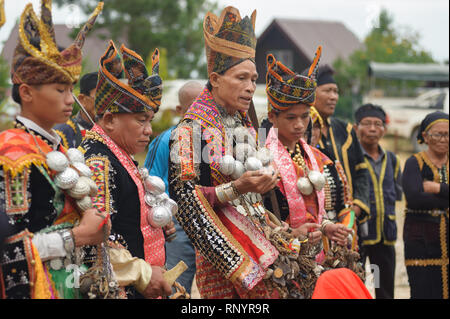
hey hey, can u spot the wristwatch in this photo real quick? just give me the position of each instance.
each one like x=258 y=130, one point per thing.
x=69 y=245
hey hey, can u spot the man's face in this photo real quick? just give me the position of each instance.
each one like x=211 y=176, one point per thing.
x=235 y=88
x=131 y=131
x=370 y=130
x=327 y=96
x=88 y=102
x=291 y=124
x=187 y=98
x=47 y=104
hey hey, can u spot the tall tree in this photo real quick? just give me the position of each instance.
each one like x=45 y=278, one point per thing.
x=384 y=43
x=176 y=25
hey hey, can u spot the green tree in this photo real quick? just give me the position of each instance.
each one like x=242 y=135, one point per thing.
x=176 y=25
x=385 y=44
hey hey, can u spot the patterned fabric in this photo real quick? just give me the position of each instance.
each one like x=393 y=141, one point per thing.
x=286 y=88
x=141 y=93
x=37 y=59
x=204 y=111
x=315 y=116
x=288 y=183
x=32 y=203
x=234 y=251
x=229 y=39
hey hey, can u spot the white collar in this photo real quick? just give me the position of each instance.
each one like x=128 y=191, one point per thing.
x=54 y=138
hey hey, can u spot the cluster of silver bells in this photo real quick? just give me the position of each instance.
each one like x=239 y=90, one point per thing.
x=314 y=180
x=161 y=206
x=247 y=157
x=73 y=176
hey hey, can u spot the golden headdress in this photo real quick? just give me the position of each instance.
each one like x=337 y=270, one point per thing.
x=37 y=59
x=229 y=39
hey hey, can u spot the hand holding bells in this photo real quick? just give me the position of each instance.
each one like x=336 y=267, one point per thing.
x=161 y=207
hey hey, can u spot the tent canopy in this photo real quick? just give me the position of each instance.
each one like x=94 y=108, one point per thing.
x=410 y=71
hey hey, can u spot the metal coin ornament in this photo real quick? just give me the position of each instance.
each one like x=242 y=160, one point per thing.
x=304 y=186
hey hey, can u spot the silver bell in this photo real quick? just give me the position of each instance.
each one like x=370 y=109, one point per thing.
x=317 y=179
x=238 y=170
x=304 y=186
x=154 y=185
x=253 y=164
x=67 y=178
x=227 y=165
x=57 y=161
x=159 y=216
x=75 y=155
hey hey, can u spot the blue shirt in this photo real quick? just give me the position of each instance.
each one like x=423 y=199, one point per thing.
x=157 y=159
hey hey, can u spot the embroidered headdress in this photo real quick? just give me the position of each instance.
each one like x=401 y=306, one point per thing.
x=124 y=84
x=229 y=40
x=37 y=59
x=286 y=88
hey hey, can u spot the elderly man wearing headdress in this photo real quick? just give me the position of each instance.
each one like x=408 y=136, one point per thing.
x=340 y=143
x=126 y=100
x=38 y=176
x=425 y=234
x=219 y=199
x=301 y=192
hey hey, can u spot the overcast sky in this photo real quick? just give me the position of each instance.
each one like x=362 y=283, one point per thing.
x=430 y=18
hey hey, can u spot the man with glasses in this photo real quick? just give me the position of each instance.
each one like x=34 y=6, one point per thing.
x=73 y=131
x=385 y=189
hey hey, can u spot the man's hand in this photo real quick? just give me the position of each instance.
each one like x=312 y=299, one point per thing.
x=257 y=181
x=89 y=232
x=157 y=286
x=305 y=230
x=169 y=229
x=337 y=233
x=357 y=210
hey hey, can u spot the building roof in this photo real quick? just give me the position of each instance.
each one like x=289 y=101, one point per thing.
x=94 y=46
x=336 y=39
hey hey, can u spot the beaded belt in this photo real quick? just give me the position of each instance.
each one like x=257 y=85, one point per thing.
x=432 y=212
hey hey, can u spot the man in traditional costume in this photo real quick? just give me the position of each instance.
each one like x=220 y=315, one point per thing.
x=425 y=234
x=38 y=177
x=126 y=99
x=300 y=192
x=233 y=253
x=339 y=143
x=385 y=190
x=73 y=131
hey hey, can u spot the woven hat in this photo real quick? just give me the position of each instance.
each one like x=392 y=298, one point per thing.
x=286 y=88
x=37 y=59
x=229 y=40
x=124 y=84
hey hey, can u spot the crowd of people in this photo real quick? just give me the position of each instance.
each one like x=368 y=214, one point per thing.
x=289 y=207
